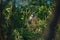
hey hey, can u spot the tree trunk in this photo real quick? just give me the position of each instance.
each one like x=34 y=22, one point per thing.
x=53 y=24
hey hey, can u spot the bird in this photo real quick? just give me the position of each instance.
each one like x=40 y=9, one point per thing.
x=32 y=19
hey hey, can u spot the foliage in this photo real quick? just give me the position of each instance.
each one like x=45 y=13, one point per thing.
x=18 y=19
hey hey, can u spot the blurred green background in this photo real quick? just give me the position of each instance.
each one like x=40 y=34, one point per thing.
x=16 y=24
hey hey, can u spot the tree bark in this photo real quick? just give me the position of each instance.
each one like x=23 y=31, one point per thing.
x=53 y=24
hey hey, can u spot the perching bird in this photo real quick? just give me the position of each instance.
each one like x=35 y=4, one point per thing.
x=32 y=19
